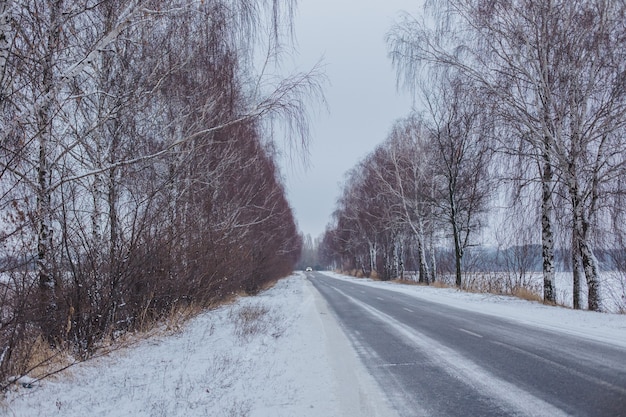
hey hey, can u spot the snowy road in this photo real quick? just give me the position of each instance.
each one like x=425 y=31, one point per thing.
x=295 y=360
x=434 y=360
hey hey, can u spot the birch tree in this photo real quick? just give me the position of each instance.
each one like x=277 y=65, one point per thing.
x=461 y=39
x=554 y=69
x=136 y=165
x=406 y=175
x=461 y=177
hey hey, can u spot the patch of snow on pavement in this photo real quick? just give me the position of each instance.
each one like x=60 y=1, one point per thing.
x=295 y=361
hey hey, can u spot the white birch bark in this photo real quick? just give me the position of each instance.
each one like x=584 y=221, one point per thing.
x=547 y=237
x=45 y=138
x=6 y=7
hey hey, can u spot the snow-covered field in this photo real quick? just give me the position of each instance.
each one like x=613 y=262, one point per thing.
x=293 y=360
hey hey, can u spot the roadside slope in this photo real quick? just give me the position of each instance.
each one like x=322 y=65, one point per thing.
x=292 y=359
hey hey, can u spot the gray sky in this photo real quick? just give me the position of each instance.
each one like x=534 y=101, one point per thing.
x=362 y=97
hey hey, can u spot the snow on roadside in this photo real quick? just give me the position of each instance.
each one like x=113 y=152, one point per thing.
x=604 y=327
x=292 y=361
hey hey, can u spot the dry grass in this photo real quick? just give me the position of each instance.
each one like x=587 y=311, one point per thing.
x=43 y=361
x=436 y=284
x=254 y=320
x=34 y=359
x=356 y=273
x=527 y=294
x=407 y=281
x=180 y=314
x=485 y=284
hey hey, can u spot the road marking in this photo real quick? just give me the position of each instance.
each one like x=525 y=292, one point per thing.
x=380 y=299
x=408 y=309
x=389 y=365
x=472 y=333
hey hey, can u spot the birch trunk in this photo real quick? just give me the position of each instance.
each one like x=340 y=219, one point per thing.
x=583 y=246
x=44 y=234
x=547 y=238
x=456 y=234
x=47 y=285
x=372 y=255
x=431 y=240
x=424 y=272
x=576 y=271
x=96 y=214
x=5 y=46
x=433 y=260
x=590 y=266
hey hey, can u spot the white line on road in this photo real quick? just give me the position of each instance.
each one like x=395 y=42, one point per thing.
x=380 y=299
x=408 y=309
x=471 y=333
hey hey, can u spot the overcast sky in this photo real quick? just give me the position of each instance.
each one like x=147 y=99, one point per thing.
x=363 y=101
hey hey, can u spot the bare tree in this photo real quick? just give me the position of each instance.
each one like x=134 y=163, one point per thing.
x=470 y=38
x=137 y=167
x=461 y=139
x=554 y=68
x=405 y=173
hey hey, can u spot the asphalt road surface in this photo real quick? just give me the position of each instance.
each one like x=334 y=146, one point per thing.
x=435 y=360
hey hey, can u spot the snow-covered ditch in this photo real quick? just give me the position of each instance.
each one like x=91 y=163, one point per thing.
x=277 y=354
